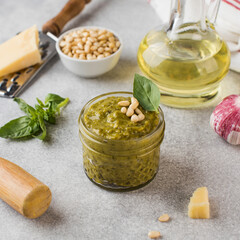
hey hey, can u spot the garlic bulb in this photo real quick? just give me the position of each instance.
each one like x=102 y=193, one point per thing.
x=225 y=119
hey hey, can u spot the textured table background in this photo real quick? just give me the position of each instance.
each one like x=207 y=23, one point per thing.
x=192 y=155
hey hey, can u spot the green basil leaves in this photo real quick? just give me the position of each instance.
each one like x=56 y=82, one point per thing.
x=146 y=92
x=33 y=124
x=20 y=127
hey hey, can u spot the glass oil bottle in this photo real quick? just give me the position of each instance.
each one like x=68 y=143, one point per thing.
x=187 y=59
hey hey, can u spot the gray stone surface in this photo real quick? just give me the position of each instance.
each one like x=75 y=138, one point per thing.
x=192 y=155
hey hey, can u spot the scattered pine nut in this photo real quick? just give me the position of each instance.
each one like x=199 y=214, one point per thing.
x=124 y=110
x=134 y=118
x=130 y=112
x=138 y=111
x=164 y=218
x=134 y=103
x=154 y=234
x=141 y=117
x=124 y=103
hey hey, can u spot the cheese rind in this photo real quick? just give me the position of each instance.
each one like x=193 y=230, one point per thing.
x=20 y=51
x=199 y=204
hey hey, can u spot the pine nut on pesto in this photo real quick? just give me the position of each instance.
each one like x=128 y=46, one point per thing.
x=119 y=154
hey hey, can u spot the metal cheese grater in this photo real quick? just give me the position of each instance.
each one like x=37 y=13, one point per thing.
x=12 y=84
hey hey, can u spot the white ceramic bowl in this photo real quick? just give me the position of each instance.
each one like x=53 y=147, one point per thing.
x=89 y=68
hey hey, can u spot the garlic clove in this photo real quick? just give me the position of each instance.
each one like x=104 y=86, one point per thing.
x=234 y=138
x=225 y=119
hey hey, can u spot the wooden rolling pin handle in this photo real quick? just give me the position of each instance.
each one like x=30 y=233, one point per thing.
x=70 y=10
x=22 y=191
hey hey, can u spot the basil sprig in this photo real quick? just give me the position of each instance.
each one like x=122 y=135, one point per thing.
x=146 y=92
x=33 y=124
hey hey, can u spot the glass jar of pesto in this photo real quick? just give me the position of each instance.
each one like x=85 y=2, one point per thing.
x=119 y=154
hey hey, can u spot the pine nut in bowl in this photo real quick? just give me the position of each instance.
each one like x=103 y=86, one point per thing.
x=89 y=51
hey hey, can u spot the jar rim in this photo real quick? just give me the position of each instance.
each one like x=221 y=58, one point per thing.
x=81 y=121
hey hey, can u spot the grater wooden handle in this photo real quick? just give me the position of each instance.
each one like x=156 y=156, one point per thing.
x=22 y=191
x=69 y=11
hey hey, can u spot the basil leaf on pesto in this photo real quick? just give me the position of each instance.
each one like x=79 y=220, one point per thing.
x=146 y=92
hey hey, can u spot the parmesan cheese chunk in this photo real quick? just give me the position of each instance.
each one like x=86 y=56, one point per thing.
x=20 y=51
x=199 y=204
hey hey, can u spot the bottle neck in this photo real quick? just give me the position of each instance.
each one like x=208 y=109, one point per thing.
x=188 y=11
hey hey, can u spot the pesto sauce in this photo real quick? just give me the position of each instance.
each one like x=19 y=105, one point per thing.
x=128 y=159
x=105 y=119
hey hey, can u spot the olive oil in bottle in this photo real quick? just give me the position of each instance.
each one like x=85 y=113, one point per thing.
x=187 y=68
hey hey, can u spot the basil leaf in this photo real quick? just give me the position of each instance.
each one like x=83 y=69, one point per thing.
x=20 y=127
x=30 y=111
x=40 y=103
x=54 y=104
x=50 y=117
x=53 y=98
x=146 y=92
x=33 y=124
x=40 y=110
x=62 y=104
x=43 y=128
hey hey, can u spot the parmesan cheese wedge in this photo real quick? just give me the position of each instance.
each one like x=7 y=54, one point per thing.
x=20 y=51
x=199 y=204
